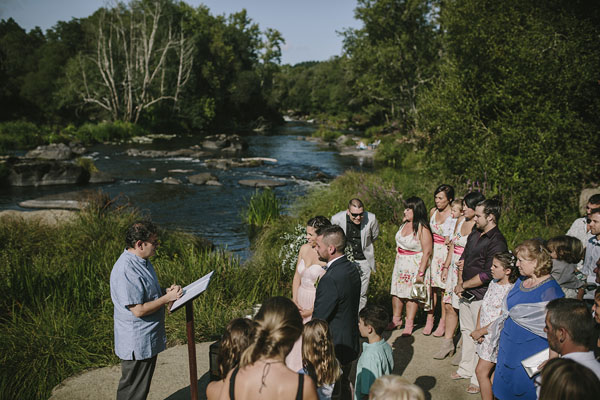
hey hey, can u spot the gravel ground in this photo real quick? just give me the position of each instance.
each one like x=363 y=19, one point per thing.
x=413 y=358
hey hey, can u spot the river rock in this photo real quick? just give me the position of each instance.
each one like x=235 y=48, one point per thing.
x=226 y=163
x=268 y=183
x=171 y=181
x=42 y=173
x=223 y=142
x=77 y=200
x=213 y=183
x=100 y=177
x=54 y=151
x=202 y=178
x=585 y=196
x=192 y=153
x=45 y=217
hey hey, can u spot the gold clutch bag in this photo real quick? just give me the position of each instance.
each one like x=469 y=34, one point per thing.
x=418 y=291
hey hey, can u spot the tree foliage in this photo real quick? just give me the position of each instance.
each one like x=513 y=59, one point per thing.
x=517 y=101
x=161 y=63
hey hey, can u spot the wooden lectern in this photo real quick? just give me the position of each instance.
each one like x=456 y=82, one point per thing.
x=190 y=292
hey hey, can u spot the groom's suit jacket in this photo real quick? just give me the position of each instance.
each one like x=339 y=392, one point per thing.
x=369 y=230
x=336 y=302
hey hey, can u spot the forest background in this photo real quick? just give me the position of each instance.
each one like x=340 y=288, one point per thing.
x=503 y=95
x=500 y=97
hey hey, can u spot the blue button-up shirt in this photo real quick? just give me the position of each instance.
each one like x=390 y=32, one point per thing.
x=133 y=281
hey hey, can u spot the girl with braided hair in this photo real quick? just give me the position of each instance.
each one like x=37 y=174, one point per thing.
x=318 y=357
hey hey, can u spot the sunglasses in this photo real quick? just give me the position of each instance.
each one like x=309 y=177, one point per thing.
x=356 y=215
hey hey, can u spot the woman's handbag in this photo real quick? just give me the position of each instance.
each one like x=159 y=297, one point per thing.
x=418 y=291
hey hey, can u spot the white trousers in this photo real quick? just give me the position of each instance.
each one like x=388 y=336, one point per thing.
x=468 y=322
x=364 y=282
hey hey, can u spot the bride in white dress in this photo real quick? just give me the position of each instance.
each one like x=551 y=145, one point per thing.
x=309 y=269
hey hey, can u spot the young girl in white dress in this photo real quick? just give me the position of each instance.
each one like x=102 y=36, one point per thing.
x=504 y=274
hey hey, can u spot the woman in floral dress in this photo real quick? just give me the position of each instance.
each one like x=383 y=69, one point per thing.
x=414 y=246
x=441 y=223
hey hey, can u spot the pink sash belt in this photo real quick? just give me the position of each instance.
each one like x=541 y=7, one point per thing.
x=438 y=239
x=403 y=252
x=458 y=250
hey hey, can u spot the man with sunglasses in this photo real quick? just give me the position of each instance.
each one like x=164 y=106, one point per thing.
x=361 y=229
x=139 y=310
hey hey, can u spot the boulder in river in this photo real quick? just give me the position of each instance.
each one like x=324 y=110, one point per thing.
x=213 y=183
x=262 y=183
x=67 y=201
x=171 y=181
x=42 y=173
x=226 y=163
x=202 y=178
x=100 y=177
x=54 y=151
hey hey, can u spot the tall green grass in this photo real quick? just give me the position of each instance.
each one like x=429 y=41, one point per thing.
x=55 y=308
x=263 y=207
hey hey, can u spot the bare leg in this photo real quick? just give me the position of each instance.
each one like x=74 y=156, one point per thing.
x=397 y=306
x=451 y=321
x=483 y=371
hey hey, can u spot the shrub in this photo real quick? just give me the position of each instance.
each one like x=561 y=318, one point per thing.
x=106 y=131
x=21 y=135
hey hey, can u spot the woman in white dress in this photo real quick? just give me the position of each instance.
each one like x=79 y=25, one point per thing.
x=441 y=223
x=414 y=246
x=309 y=269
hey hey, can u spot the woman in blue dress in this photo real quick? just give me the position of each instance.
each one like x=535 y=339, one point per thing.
x=523 y=332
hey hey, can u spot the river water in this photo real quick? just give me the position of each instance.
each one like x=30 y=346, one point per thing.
x=212 y=212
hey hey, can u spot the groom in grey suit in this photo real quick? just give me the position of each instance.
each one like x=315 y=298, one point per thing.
x=361 y=229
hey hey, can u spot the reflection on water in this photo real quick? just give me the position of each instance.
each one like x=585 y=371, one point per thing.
x=209 y=211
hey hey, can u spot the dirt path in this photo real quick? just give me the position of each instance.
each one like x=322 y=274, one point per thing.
x=412 y=358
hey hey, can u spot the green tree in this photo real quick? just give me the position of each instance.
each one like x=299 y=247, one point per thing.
x=392 y=57
x=517 y=102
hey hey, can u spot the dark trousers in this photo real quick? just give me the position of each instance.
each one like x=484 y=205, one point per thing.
x=136 y=376
x=343 y=389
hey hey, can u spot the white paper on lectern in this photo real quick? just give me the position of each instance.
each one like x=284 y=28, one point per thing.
x=192 y=290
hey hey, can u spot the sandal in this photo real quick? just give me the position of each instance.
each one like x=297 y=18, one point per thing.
x=456 y=376
x=472 y=389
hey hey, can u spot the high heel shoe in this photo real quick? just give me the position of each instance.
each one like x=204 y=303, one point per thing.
x=445 y=350
x=409 y=324
x=441 y=328
x=428 y=325
x=396 y=323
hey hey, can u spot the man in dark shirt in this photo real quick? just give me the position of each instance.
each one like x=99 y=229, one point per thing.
x=483 y=243
x=361 y=229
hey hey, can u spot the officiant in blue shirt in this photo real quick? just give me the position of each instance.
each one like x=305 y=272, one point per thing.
x=139 y=314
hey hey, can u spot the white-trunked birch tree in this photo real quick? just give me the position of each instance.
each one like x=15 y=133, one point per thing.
x=142 y=56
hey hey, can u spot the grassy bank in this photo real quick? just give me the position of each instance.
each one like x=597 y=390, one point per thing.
x=22 y=135
x=56 y=311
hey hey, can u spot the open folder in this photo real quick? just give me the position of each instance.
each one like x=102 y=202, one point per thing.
x=191 y=291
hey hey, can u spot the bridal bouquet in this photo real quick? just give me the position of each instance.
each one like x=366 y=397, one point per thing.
x=291 y=247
